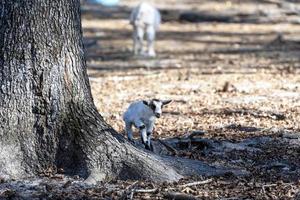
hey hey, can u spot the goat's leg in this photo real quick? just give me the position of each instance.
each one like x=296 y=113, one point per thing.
x=144 y=137
x=135 y=41
x=150 y=40
x=128 y=127
x=148 y=144
x=150 y=128
x=142 y=129
x=138 y=36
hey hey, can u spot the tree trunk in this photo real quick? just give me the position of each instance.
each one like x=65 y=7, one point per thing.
x=47 y=115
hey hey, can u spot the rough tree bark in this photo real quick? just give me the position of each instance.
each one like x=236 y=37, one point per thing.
x=47 y=115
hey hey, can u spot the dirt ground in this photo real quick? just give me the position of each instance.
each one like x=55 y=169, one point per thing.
x=234 y=77
x=231 y=79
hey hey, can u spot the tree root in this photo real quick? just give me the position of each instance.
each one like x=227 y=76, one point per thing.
x=139 y=164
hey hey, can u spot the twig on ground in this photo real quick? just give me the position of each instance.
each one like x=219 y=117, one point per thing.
x=257 y=113
x=128 y=192
x=141 y=191
x=230 y=198
x=145 y=190
x=132 y=185
x=131 y=195
x=195 y=133
x=169 y=147
x=197 y=183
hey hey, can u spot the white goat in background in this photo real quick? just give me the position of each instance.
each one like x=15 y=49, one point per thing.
x=142 y=115
x=145 y=19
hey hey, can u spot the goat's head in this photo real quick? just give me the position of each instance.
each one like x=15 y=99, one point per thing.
x=156 y=106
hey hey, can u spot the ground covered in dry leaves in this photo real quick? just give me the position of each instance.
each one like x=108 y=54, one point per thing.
x=235 y=84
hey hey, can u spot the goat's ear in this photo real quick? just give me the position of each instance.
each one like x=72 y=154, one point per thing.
x=165 y=102
x=146 y=102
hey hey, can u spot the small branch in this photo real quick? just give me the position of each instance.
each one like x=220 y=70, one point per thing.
x=197 y=183
x=172 y=113
x=132 y=185
x=277 y=2
x=195 y=133
x=145 y=190
x=245 y=111
x=169 y=147
x=128 y=193
x=141 y=191
x=256 y=113
x=131 y=195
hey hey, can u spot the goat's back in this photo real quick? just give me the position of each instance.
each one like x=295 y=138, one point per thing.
x=139 y=111
x=145 y=14
x=133 y=110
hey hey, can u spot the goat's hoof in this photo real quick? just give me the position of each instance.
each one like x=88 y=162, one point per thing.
x=149 y=147
x=151 y=55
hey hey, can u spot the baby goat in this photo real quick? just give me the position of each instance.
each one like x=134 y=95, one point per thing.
x=145 y=19
x=142 y=115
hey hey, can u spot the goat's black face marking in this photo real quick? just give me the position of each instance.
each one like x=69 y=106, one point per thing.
x=152 y=106
x=146 y=103
x=142 y=127
x=156 y=106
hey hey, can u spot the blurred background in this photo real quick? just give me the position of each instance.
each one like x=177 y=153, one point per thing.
x=211 y=56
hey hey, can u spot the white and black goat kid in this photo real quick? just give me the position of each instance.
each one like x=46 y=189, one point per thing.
x=145 y=20
x=142 y=115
